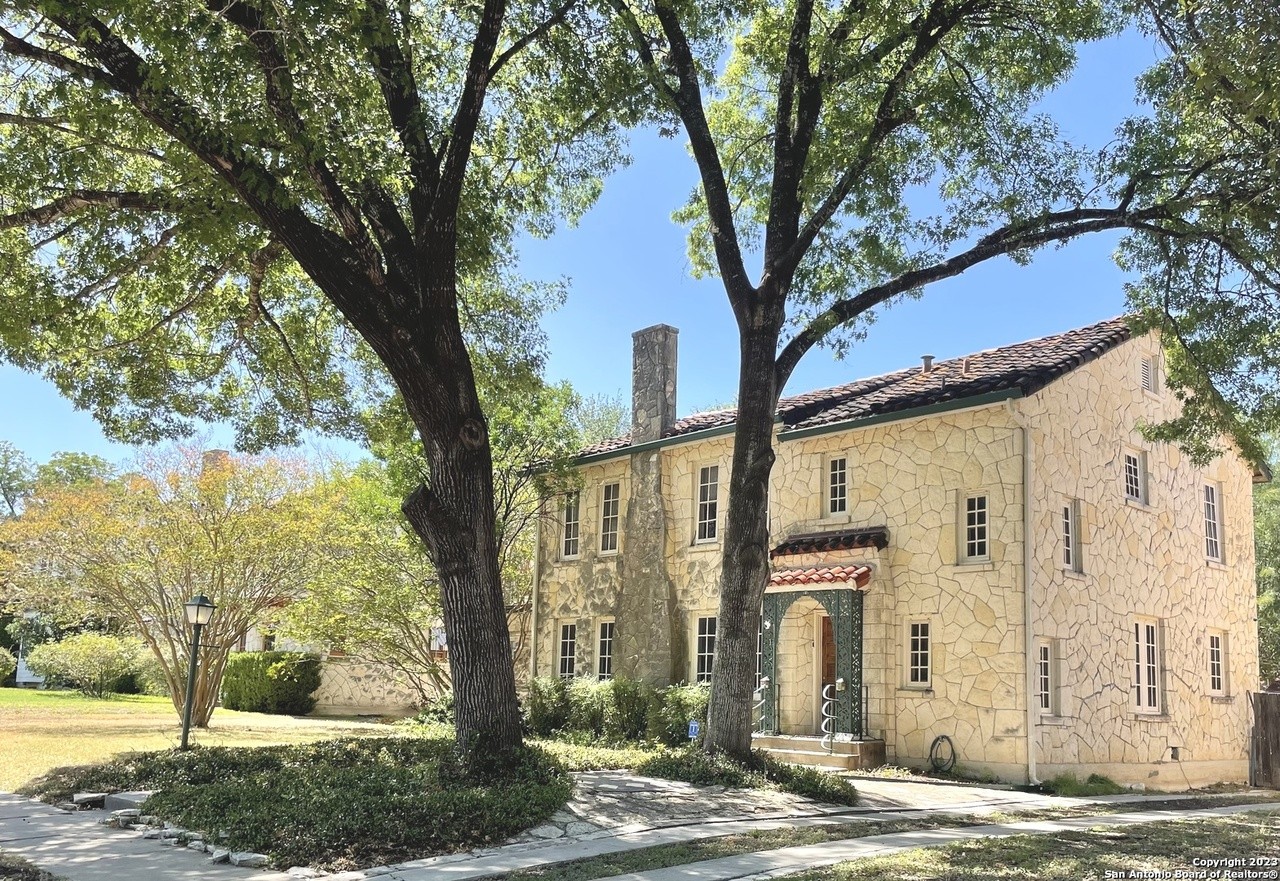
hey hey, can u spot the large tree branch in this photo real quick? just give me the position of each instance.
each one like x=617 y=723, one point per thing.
x=1056 y=226
x=688 y=100
x=784 y=191
x=521 y=44
x=81 y=200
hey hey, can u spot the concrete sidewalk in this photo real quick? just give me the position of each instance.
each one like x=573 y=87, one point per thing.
x=792 y=860
x=78 y=848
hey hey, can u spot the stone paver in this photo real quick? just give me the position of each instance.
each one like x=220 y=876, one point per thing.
x=791 y=860
x=77 y=847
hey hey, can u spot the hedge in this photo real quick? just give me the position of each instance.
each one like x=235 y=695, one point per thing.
x=271 y=682
x=94 y=663
x=617 y=709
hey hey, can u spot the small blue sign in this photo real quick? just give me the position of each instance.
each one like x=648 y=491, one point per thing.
x=695 y=727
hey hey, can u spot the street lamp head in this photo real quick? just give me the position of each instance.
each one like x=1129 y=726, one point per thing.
x=199 y=610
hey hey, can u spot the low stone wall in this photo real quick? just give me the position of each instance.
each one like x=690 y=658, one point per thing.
x=350 y=687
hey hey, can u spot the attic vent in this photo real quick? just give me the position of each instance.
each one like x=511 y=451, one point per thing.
x=964 y=367
x=927 y=366
x=1148 y=374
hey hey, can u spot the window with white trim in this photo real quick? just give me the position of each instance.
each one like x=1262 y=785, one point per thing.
x=610 y=508
x=1146 y=665
x=604 y=654
x=1147 y=375
x=1212 y=522
x=1135 y=476
x=705 y=649
x=837 y=485
x=1217 y=662
x=572 y=526
x=1071 y=557
x=708 y=503
x=1046 y=680
x=568 y=650
x=919 y=652
x=976 y=523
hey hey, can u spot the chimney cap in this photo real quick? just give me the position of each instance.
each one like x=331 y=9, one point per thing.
x=645 y=331
x=926 y=363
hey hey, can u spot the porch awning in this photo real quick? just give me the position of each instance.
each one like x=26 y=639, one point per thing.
x=858 y=575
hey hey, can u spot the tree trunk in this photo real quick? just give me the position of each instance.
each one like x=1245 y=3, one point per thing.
x=744 y=569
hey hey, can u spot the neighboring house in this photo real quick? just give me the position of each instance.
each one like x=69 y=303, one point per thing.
x=984 y=548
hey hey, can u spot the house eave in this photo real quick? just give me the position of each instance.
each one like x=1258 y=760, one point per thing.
x=982 y=400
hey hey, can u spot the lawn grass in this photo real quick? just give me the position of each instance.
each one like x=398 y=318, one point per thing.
x=1071 y=856
x=1071 y=786
x=42 y=730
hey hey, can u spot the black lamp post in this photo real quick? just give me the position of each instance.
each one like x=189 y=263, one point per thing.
x=199 y=611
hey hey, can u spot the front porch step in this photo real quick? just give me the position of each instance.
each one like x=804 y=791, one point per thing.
x=848 y=755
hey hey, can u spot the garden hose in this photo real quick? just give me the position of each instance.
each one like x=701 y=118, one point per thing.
x=942 y=754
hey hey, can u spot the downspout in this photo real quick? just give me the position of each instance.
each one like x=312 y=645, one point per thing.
x=1027 y=608
x=533 y=596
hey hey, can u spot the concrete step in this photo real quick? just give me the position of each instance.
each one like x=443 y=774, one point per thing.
x=850 y=755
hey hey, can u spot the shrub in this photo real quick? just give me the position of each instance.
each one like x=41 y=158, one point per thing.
x=1069 y=785
x=810 y=783
x=271 y=682
x=90 y=662
x=548 y=705
x=7 y=664
x=438 y=712
x=588 y=702
x=671 y=710
x=626 y=713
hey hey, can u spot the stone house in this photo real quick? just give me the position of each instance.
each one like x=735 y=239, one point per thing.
x=984 y=548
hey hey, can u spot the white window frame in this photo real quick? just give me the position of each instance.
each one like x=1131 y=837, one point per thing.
x=837 y=486
x=610 y=517
x=1216 y=643
x=974 y=535
x=706 y=500
x=1047 y=690
x=1211 y=497
x=918 y=653
x=571 y=529
x=1072 y=559
x=1134 y=472
x=1149 y=375
x=568 y=657
x=606 y=635
x=705 y=629
x=1147 y=665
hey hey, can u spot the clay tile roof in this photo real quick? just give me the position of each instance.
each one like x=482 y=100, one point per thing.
x=859 y=575
x=846 y=539
x=1024 y=368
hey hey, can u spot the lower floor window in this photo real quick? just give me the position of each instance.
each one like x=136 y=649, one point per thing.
x=1217 y=662
x=568 y=650
x=604 y=668
x=1146 y=665
x=919 y=650
x=1046 y=681
x=705 y=649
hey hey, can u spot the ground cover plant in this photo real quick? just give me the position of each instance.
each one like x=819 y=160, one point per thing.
x=1071 y=786
x=41 y=730
x=339 y=804
x=692 y=765
x=14 y=868
x=1070 y=856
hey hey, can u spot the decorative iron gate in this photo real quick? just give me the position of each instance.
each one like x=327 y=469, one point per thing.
x=845 y=608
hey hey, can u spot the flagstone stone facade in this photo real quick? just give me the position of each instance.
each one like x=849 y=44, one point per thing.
x=1119 y=640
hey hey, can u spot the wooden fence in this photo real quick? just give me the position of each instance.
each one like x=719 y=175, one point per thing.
x=1264 y=747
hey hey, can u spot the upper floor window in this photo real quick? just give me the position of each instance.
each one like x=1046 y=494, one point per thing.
x=1147 y=375
x=918 y=653
x=1071 y=536
x=1135 y=477
x=976 y=545
x=604 y=656
x=708 y=502
x=572 y=526
x=610 y=507
x=1146 y=663
x=1212 y=522
x=837 y=486
x=1217 y=662
x=705 y=650
x=568 y=650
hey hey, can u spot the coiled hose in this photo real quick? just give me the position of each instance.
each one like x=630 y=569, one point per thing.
x=942 y=754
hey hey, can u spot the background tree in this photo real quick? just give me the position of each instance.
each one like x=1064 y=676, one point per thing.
x=234 y=209
x=810 y=122
x=17 y=475
x=1266 y=532
x=248 y=533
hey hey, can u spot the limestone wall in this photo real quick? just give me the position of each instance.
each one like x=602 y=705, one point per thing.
x=350 y=687
x=1137 y=560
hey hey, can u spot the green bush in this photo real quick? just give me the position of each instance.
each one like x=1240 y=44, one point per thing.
x=8 y=663
x=438 y=712
x=271 y=682
x=588 y=703
x=339 y=804
x=691 y=764
x=548 y=705
x=626 y=713
x=90 y=662
x=671 y=710
x=1069 y=785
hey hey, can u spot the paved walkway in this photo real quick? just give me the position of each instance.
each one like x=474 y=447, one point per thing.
x=790 y=860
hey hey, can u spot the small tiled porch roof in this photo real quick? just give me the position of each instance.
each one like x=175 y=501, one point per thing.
x=841 y=540
x=859 y=575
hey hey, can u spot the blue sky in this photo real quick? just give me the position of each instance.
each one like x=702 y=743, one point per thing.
x=627 y=266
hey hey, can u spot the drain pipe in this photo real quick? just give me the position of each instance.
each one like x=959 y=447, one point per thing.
x=1027 y=560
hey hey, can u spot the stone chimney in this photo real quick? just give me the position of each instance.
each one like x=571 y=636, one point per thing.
x=653 y=382
x=213 y=460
